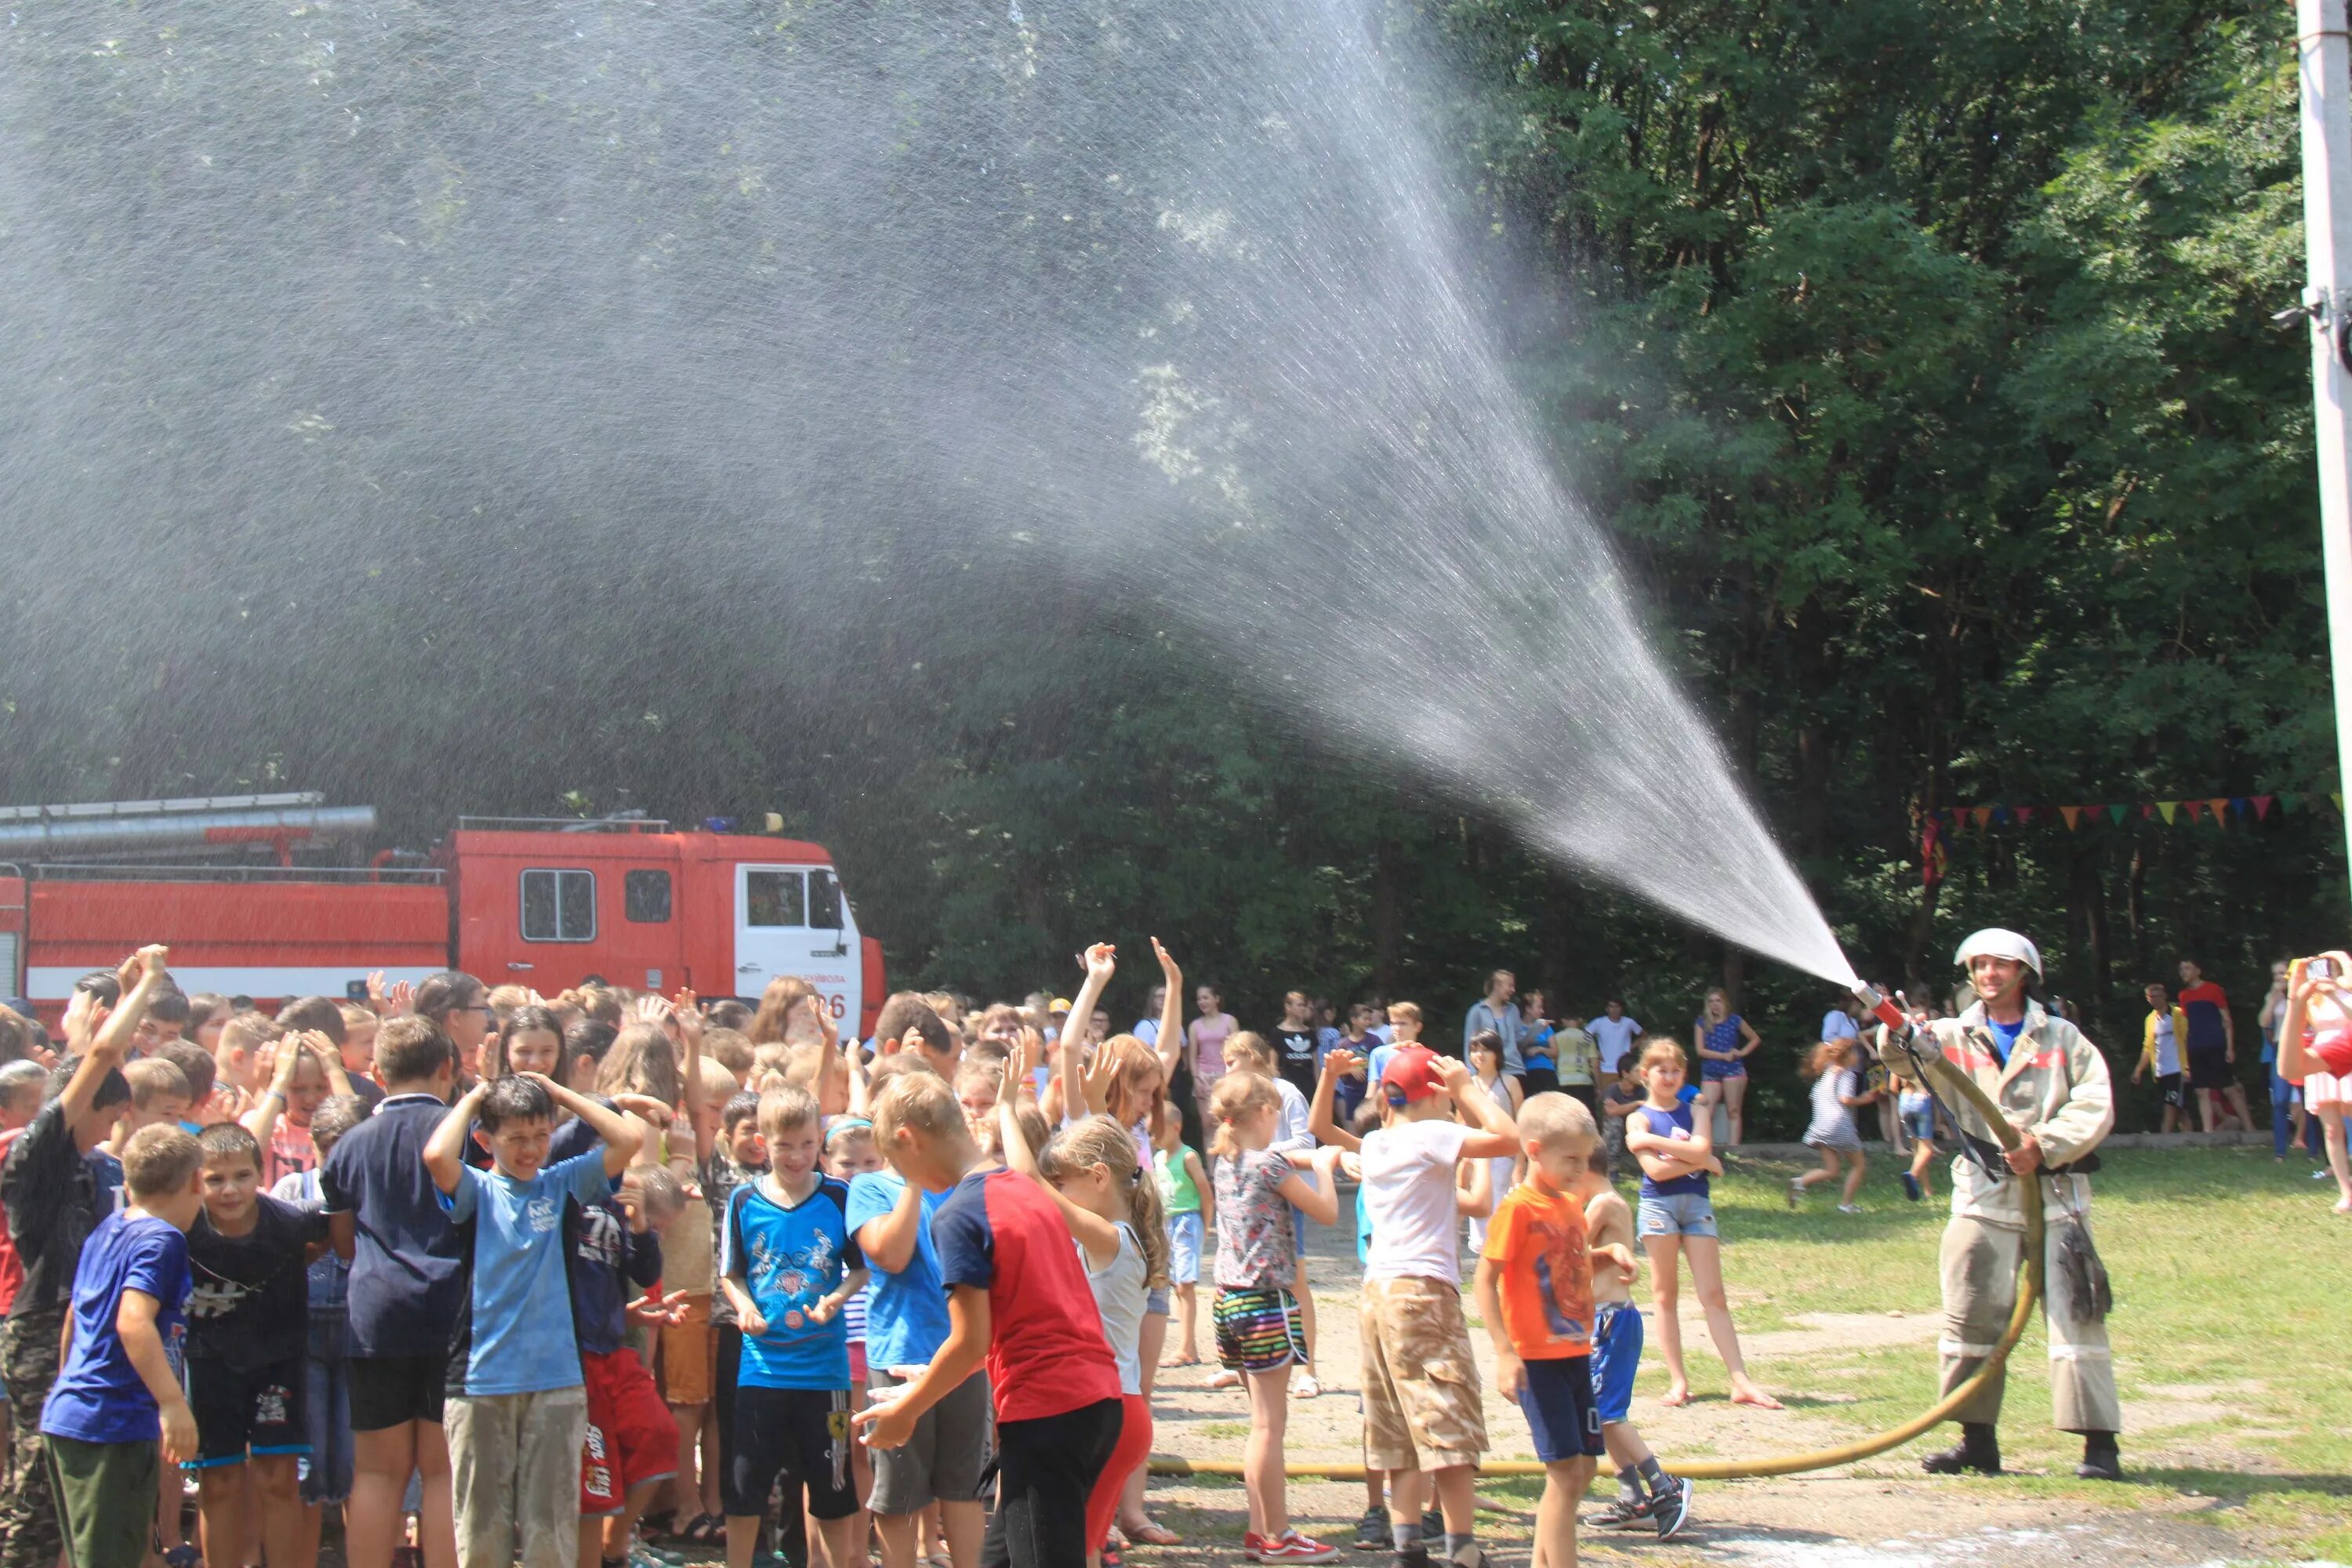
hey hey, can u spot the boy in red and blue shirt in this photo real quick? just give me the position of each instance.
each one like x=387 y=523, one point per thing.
x=1017 y=1297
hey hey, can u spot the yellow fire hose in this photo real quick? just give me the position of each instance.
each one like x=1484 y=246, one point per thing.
x=2029 y=1295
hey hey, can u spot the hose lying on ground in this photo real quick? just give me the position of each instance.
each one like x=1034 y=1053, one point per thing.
x=2029 y=1294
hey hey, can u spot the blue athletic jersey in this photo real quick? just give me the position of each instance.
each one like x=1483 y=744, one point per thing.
x=787 y=1257
x=99 y=1396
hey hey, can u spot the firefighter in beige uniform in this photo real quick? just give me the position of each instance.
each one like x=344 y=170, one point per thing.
x=2052 y=1085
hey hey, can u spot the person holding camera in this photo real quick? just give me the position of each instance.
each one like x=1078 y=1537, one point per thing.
x=2314 y=1050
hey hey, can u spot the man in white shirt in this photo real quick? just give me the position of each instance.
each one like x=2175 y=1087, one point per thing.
x=1616 y=1034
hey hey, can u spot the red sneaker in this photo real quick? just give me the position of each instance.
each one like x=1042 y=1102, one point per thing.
x=1293 y=1547
x=1253 y=1545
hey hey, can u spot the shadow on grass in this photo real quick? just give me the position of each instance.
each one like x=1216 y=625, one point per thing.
x=2233 y=1486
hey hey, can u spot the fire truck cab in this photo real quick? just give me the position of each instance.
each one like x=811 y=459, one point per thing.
x=548 y=906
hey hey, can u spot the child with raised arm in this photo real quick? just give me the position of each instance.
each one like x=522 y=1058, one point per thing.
x=517 y=1410
x=1018 y=1301
x=1261 y=1331
x=1411 y=1318
x=1677 y=1217
x=117 y=1392
x=1189 y=1199
x=789 y=1263
x=1535 y=1288
x=1616 y=1356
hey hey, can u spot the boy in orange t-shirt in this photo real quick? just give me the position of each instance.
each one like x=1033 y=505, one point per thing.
x=1535 y=1291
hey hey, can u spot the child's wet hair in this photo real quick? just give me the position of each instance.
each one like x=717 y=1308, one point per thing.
x=1658 y=1048
x=514 y=1100
x=229 y=1141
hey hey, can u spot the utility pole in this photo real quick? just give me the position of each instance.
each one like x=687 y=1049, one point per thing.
x=2324 y=62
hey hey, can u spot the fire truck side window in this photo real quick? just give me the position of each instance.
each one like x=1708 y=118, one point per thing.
x=824 y=901
x=645 y=897
x=559 y=906
x=774 y=899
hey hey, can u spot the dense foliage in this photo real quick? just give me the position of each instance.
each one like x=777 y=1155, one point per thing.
x=1916 y=354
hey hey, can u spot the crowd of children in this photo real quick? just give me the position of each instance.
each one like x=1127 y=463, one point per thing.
x=606 y=1279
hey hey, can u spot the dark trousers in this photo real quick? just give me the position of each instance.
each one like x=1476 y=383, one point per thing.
x=1045 y=1469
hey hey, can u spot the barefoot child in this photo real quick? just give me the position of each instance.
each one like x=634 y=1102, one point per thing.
x=1837 y=1090
x=1017 y=1300
x=1190 y=1200
x=1677 y=1217
x=1260 y=1331
x=1616 y=1356
x=1535 y=1288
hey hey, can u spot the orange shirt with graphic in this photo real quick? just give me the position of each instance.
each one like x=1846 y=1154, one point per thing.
x=1535 y=1242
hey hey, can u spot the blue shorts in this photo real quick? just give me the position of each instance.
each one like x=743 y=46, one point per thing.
x=1298 y=1232
x=1676 y=1214
x=1616 y=1356
x=1184 y=1232
x=1713 y=1072
x=1556 y=1396
x=1920 y=1125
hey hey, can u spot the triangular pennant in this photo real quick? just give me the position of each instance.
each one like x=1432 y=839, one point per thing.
x=2025 y=814
x=2147 y=813
x=2169 y=809
x=2074 y=815
x=1982 y=814
x=2237 y=805
x=2193 y=808
x=2115 y=814
x=2262 y=807
x=2000 y=814
x=2339 y=800
x=2216 y=807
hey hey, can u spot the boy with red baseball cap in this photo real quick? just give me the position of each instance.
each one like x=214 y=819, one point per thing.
x=1420 y=1378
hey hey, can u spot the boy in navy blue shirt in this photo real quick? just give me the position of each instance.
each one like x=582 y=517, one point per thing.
x=117 y=1391
x=517 y=1412
x=407 y=1275
x=788 y=1262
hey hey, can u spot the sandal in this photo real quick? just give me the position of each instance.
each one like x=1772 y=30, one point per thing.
x=1183 y=1361
x=705 y=1530
x=1151 y=1533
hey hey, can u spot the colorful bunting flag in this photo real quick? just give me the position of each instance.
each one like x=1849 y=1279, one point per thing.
x=2025 y=814
x=2215 y=806
x=2074 y=815
x=1982 y=815
x=2262 y=807
x=2115 y=814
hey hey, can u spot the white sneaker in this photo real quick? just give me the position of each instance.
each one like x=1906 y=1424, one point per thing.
x=1303 y=1384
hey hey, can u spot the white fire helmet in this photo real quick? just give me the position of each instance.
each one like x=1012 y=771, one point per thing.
x=1995 y=942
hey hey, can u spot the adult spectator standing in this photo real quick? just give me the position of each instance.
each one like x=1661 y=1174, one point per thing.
x=1494 y=1011
x=2050 y=1083
x=1538 y=1054
x=2212 y=1049
x=1204 y=1043
x=1614 y=1033
x=1294 y=1043
x=2316 y=1051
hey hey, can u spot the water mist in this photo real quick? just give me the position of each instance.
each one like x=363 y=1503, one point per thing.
x=1163 y=292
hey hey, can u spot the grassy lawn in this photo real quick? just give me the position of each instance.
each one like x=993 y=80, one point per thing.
x=2233 y=1289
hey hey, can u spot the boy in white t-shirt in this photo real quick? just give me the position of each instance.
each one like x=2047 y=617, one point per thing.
x=1420 y=1378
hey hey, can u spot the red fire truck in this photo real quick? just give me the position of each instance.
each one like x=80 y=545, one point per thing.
x=543 y=903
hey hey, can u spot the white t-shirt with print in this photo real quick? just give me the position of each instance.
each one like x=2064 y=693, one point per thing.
x=1408 y=1174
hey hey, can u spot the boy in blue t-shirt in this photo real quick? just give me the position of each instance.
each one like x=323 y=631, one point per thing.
x=517 y=1413
x=119 y=1389
x=906 y=1324
x=788 y=1263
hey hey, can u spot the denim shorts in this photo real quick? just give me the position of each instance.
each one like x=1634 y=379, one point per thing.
x=1184 y=1236
x=1676 y=1214
x=1920 y=1125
